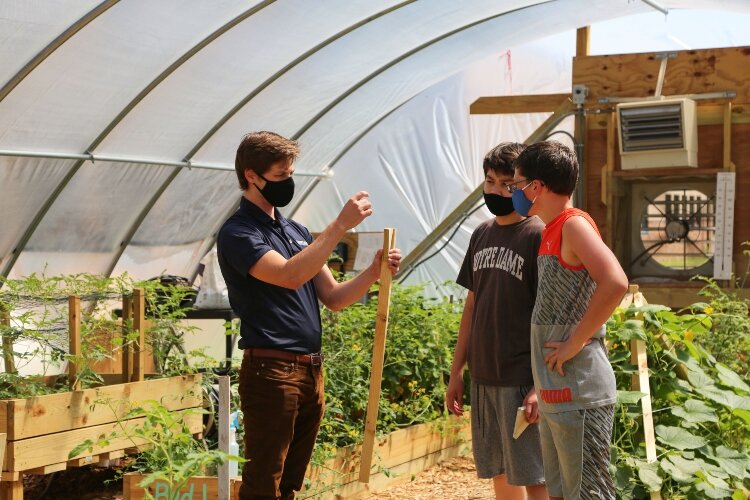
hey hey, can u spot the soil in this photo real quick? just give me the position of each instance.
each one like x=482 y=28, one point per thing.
x=453 y=479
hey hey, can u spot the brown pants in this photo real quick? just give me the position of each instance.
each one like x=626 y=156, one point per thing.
x=282 y=405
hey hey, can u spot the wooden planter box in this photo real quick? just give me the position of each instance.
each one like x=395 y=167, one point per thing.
x=403 y=453
x=41 y=431
x=198 y=488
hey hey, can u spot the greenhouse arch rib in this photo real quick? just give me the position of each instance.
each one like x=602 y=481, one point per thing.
x=168 y=181
x=310 y=123
x=54 y=45
x=134 y=102
x=359 y=84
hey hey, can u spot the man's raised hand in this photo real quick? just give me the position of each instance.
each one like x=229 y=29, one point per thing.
x=356 y=209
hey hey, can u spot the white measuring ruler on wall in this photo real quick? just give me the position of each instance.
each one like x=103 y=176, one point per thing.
x=724 y=236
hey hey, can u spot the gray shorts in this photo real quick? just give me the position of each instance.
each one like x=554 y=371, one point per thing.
x=493 y=416
x=575 y=445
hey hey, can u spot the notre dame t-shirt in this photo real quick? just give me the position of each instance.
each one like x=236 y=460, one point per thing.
x=500 y=268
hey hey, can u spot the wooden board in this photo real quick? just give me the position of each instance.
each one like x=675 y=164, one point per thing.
x=691 y=72
x=198 y=488
x=407 y=450
x=378 y=353
x=54 y=448
x=25 y=418
x=539 y=103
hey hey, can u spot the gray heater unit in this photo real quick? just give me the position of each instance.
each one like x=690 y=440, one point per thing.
x=658 y=133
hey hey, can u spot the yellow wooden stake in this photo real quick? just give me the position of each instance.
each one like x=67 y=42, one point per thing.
x=74 y=329
x=378 y=356
x=139 y=324
x=640 y=382
x=127 y=352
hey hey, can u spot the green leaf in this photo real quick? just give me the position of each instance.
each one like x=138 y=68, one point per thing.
x=732 y=462
x=629 y=397
x=695 y=411
x=739 y=495
x=678 y=438
x=725 y=397
x=677 y=472
x=713 y=487
x=743 y=414
x=631 y=329
x=649 y=475
x=731 y=379
x=698 y=378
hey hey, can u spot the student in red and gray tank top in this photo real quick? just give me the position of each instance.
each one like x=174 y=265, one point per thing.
x=580 y=284
x=499 y=271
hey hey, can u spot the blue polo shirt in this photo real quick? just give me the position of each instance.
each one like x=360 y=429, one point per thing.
x=271 y=316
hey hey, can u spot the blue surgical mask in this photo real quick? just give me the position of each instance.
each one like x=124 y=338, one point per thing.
x=521 y=204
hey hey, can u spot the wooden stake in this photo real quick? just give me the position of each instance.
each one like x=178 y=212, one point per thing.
x=74 y=329
x=139 y=325
x=127 y=315
x=639 y=382
x=10 y=362
x=378 y=356
x=224 y=402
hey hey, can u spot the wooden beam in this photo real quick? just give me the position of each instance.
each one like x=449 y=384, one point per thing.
x=691 y=72
x=378 y=355
x=583 y=41
x=498 y=105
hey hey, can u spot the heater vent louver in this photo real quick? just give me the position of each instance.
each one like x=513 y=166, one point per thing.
x=658 y=127
x=658 y=134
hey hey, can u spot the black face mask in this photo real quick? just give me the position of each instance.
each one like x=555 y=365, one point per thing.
x=277 y=193
x=497 y=204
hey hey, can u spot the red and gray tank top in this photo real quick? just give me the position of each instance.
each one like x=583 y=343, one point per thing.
x=563 y=295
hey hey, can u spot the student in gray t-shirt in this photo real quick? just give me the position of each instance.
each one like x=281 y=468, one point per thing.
x=500 y=272
x=580 y=284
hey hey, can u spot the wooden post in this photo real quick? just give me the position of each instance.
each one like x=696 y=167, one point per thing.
x=639 y=382
x=3 y=442
x=10 y=362
x=583 y=41
x=127 y=316
x=224 y=400
x=74 y=333
x=139 y=325
x=378 y=356
x=727 y=146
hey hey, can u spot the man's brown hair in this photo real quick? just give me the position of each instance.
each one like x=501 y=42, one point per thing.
x=500 y=158
x=259 y=151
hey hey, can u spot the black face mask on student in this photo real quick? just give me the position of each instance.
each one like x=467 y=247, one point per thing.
x=497 y=204
x=277 y=193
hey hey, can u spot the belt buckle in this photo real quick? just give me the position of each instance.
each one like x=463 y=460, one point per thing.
x=316 y=359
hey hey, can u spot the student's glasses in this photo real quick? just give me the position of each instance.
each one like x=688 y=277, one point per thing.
x=511 y=187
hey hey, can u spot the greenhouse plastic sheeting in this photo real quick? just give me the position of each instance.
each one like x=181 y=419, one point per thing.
x=378 y=92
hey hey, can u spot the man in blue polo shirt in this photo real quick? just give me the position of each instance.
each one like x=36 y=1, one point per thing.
x=275 y=274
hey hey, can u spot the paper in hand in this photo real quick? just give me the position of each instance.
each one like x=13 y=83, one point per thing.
x=521 y=422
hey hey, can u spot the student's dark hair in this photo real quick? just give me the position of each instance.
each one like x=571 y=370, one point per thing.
x=259 y=151
x=552 y=163
x=500 y=158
